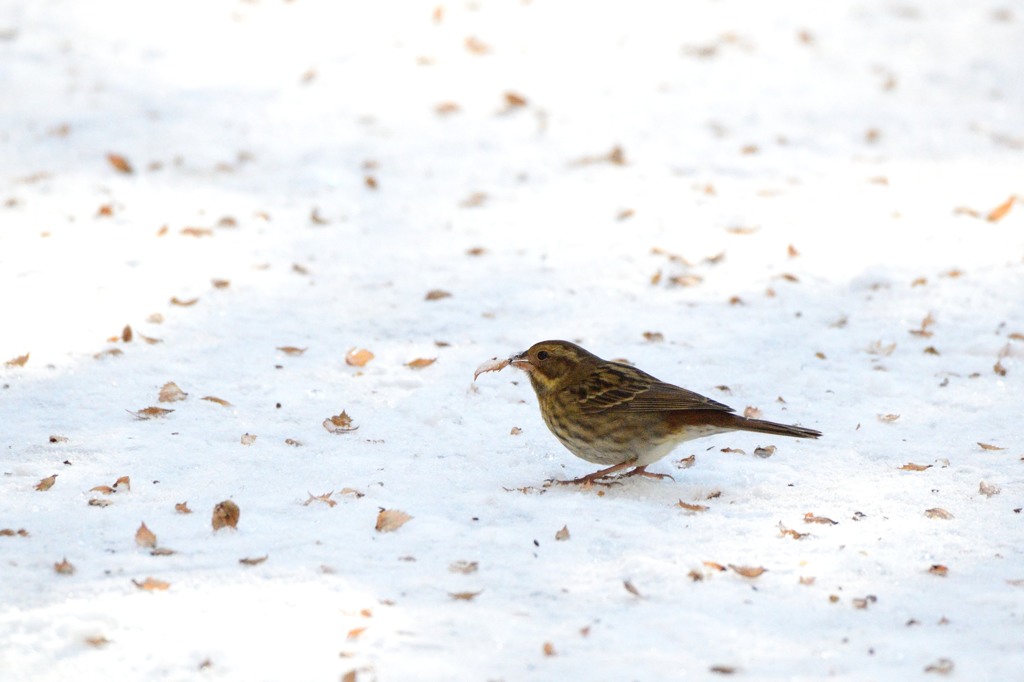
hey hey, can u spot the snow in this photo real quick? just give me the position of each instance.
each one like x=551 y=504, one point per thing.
x=866 y=138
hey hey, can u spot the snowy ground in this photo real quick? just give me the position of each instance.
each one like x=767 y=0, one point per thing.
x=797 y=206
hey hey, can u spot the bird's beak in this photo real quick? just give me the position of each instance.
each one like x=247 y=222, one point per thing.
x=520 y=361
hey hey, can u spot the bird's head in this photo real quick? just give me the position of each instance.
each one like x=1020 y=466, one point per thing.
x=552 y=365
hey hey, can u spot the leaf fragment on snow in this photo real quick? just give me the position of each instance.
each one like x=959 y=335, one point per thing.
x=943 y=666
x=989 y=489
x=1000 y=211
x=18 y=361
x=291 y=350
x=693 y=508
x=937 y=513
x=184 y=302
x=64 y=567
x=464 y=596
x=182 y=508
x=751 y=412
x=150 y=413
x=151 y=584
x=764 y=452
x=888 y=418
x=96 y=502
x=170 y=393
x=351 y=492
x=939 y=570
x=464 y=567
x=358 y=357
x=253 y=561
x=126 y=334
x=339 y=423
x=120 y=163
x=811 y=518
x=390 y=520
x=492 y=365
x=325 y=498
x=686 y=462
x=748 y=571
x=910 y=466
x=248 y=438
x=562 y=534
x=436 y=295
x=46 y=483
x=986 y=446
x=144 y=537
x=420 y=363
x=215 y=399
x=783 y=531
x=123 y=483
x=225 y=513
x=549 y=649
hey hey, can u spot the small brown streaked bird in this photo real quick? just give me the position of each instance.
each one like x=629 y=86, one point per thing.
x=612 y=414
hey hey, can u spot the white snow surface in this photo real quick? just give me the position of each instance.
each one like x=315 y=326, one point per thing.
x=861 y=134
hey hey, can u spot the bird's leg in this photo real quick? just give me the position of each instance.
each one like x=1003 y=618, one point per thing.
x=595 y=478
x=642 y=471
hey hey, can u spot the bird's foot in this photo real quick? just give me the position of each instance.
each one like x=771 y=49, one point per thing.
x=598 y=477
x=642 y=471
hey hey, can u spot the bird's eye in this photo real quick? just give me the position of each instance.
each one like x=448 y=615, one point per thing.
x=542 y=355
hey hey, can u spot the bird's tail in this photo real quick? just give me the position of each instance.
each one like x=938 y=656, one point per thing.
x=762 y=426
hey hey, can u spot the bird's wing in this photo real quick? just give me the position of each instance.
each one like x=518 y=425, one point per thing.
x=637 y=390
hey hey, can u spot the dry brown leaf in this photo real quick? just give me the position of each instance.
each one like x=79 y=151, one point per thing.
x=989 y=489
x=162 y=551
x=144 y=537
x=64 y=567
x=910 y=466
x=879 y=348
x=807 y=580
x=248 y=438
x=695 y=508
x=943 y=666
x=97 y=641
x=562 y=534
x=939 y=570
x=888 y=418
x=123 y=483
x=150 y=413
x=783 y=531
x=10 y=532
x=937 y=513
x=748 y=571
x=549 y=649
x=109 y=353
x=120 y=163
x=723 y=669
x=225 y=513
x=197 y=231
x=339 y=423
x=464 y=596
x=477 y=46
x=447 y=108
x=358 y=357
x=436 y=295
x=355 y=632
x=291 y=350
x=170 y=393
x=184 y=302
x=351 y=492
x=253 y=561
x=96 y=502
x=1000 y=211
x=686 y=462
x=863 y=602
x=751 y=412
x=104 y=489
x=631 y=588
x=59 y=439
x=515 y=431
x=986 y=446
x=214 y=399
x=182 y=508
x=420 y=363
x=390 y=520
x=18 y=361
x=765 y=452
x=654 y=337
x=492 y=365
x=811 y=518
x=126 y=334
x=46 y=483
x=714 y=565
x=325 y=498
x=513 y=100
x=151 y=584
x=149 y=339
x=474 y=200
x=464 y=567
x=220 y=283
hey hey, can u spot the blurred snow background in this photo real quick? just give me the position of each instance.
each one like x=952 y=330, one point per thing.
x=753 y=200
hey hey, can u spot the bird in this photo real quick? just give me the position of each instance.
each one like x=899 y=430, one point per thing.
x=620 y=417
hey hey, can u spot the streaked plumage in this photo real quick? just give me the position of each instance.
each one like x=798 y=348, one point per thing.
x=618 y=416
